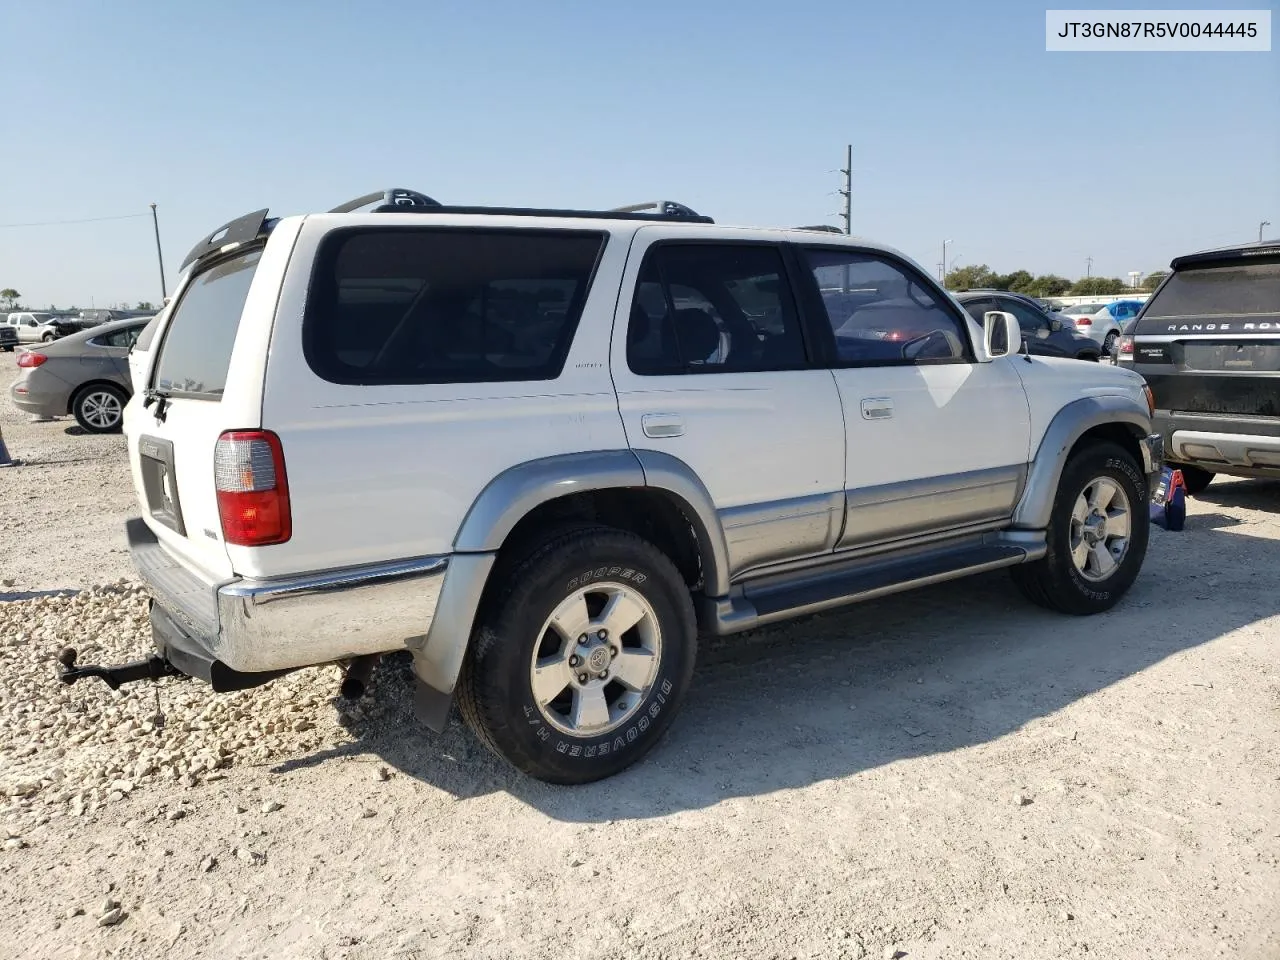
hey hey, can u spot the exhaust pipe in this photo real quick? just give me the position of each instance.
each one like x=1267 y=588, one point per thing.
x=355 y=682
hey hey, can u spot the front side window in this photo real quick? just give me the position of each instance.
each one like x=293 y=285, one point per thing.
x=406 y=306
x=883 y=313
x=196 y=351
x=713 y=308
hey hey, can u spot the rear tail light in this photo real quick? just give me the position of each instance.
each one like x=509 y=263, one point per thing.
x=31 y=359
x=253 y=491
x=1124 y=347
x=1084 y=321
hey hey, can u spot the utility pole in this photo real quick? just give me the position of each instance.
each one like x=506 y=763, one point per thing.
x=944 y=260
x=847 y=192
x=1264 y=223
x=155 y=222
x=1088 y=269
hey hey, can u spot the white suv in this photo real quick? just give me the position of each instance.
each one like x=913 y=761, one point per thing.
x=544 y=450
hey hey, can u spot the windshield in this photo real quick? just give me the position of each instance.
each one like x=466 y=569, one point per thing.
x=1241 y=289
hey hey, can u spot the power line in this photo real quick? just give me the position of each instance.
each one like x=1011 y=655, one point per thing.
x=57 y=223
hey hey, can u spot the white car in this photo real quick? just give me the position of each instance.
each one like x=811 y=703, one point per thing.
x=543 y=451
x=1103 y=322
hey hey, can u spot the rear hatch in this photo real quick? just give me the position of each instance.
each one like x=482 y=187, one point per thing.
x=1208 y=341
x=190 y=388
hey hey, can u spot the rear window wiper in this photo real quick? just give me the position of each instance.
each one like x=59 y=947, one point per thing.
x=160 y=397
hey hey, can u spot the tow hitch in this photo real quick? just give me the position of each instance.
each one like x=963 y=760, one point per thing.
x=152 y=668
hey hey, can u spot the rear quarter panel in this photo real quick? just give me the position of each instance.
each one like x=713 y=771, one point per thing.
x=389 y=472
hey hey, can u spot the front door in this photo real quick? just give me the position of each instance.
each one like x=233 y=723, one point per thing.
x=936 y=440
x=711 y=367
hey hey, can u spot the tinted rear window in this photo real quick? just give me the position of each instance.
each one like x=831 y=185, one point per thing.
x=1234 y=290
x=432 y=305
x=196 y=350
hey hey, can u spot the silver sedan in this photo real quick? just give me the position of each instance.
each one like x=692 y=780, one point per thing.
x=85 y=374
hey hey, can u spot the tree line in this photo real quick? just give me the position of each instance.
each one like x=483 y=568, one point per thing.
x=1045 y=285
x=10 y=300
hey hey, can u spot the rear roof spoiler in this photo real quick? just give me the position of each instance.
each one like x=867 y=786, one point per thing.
x=251 y=226
x=1243 y=252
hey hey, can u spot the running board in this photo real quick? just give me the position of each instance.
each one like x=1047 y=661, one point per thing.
x=769 y=599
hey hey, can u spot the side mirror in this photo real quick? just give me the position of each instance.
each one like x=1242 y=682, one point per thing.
x=1001 y=333
x=1055 y=325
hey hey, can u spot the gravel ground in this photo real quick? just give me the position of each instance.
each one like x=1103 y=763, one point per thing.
x=950 y=773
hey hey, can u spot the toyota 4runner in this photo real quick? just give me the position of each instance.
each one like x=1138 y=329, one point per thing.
x=545 y=450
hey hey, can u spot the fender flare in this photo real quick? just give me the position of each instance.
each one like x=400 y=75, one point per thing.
x=503 y=503
x=1066 y=428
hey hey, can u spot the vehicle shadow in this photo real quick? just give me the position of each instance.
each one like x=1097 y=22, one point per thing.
x=1250 y=494
x=933 y=671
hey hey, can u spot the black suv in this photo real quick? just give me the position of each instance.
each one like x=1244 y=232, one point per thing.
x=1044 y=334
x=1208 y=345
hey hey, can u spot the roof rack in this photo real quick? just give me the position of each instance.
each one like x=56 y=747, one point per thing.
x=255 y=225
x=400 y=200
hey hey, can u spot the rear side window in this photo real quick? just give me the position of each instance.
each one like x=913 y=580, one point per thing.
x=713 y=308
x=408 y=306
x=196 y=350
x=1235 y=290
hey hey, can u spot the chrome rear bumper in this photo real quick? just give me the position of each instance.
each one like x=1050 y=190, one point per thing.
x=268 y=626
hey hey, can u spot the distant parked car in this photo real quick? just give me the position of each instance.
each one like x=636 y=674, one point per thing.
x=8 y=335
x=1045 y=334
x=85 y=374
x=1101 y=321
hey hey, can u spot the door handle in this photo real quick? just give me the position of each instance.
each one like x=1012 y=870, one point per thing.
x=656 y=425
x=878 y=408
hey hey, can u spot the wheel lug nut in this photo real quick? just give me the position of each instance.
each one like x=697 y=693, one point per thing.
x=603 y=634
x=604 y=674
x=574 y=660
x=613 y=651
x=583 y=638
x=582 y=678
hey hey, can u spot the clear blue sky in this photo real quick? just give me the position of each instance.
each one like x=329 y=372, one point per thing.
x=963 y=126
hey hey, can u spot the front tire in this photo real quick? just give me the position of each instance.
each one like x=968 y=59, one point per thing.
x=48 y=338
x=99 y=408
x=1097 y=535
x=581 y=656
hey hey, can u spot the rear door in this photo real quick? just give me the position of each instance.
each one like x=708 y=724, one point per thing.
x=710 y=364
x=199 y=391
x=1208 y=341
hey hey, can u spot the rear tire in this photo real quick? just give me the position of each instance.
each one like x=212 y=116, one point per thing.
x=1109 y=343
x=1197 y=478
x=1089 y=566
x=601 y=623
x=99 y=408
